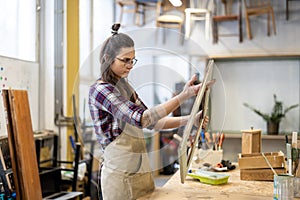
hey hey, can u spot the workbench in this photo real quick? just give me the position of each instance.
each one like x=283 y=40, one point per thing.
x=192 y=189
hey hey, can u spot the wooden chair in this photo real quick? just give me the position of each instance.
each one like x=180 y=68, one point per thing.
x=65 y=172
x=141 y=7
x=170 y=16
x=198 y=11
x=51 y=176
x=128 y=6
x=259 y=7
x=287 y=9
x=227 y=15
x=87 y=144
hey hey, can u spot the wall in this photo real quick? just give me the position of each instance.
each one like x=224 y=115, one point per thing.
x=251 y=71
x=243 y=73
x=19 y=75
x=254 y=82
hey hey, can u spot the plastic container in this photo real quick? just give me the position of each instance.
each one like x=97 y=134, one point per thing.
x=207 y=177
x=206 y=156
x=297 y=187
x=283 y=187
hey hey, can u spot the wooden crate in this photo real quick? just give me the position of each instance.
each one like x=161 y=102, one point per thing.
x=260 y=174
x=253 y=167
x=257 y=161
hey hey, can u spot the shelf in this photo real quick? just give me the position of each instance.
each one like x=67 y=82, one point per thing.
x=263 y=136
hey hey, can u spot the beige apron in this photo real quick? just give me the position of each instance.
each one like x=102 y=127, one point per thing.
x=126 y=172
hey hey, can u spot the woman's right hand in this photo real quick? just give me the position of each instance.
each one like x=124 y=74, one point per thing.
x=190 y=89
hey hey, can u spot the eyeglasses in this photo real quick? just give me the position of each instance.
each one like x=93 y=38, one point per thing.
x=128 y=61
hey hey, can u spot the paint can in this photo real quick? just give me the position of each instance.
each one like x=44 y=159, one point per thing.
x=283 y=187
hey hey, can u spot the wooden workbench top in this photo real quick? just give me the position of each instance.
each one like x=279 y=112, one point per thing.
x=193 y=189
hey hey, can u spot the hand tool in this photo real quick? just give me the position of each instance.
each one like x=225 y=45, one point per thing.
x=221 y=140
x=209 y=141
x=289 y=158
x=214 y=136
x=203 y=141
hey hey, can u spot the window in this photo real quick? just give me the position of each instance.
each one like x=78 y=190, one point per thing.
x=18 y=29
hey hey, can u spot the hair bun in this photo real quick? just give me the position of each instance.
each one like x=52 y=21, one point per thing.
x=115 y=27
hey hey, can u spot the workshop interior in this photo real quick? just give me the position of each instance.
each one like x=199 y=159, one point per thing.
x=250 y=148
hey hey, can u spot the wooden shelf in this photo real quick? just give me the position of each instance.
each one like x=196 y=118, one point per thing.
x=255 y=56
x=263 y=136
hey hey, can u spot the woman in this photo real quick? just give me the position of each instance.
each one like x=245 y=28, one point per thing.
x=119 y=116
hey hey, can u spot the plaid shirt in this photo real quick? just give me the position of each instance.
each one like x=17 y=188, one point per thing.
x=109 y=109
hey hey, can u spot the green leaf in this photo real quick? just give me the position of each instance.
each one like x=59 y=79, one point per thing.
x=277 y=112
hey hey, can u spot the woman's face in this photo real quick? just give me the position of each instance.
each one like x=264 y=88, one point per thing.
x=123 y=62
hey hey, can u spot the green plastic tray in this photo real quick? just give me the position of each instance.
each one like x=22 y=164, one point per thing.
x=207 y=177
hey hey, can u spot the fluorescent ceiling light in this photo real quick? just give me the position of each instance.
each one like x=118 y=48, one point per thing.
x=176 y=3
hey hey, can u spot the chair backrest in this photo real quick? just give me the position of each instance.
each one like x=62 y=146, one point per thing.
x=50 y=181
x=167 y=6
x=226 y=7
x=199 y=4
x=147 y=1
x=125 y=2
x=256 y=3
x=164 y=7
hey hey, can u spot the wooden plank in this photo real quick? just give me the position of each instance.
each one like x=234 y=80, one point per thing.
x=260 y=174
x=251 y=141
x=10 y=140
x=185 y=157
x=21 y=140
x=257 y=161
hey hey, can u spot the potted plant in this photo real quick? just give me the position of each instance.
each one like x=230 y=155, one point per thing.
x=273 y=119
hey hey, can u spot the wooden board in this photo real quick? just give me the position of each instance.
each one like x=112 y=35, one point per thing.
x=260 y=174
x=22 y=146
x=257 y=161
x=251 y=141
x=185 y=157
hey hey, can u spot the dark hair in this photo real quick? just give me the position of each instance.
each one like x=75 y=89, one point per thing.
x=109 y=50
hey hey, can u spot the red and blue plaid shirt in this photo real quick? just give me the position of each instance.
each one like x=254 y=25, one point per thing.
x=109 y=110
